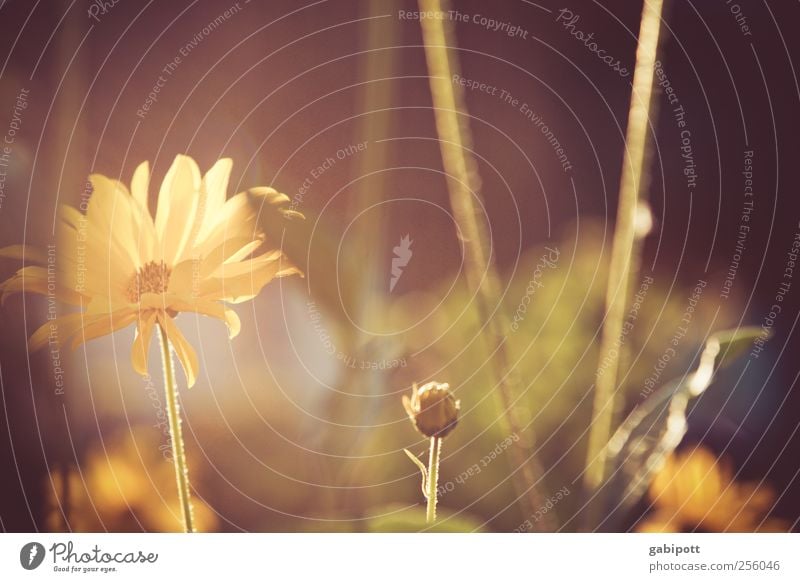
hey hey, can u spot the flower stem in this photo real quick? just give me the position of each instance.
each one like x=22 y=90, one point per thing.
x=178 y=450
x=433 y=478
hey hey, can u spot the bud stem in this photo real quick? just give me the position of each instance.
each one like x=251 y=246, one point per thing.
x=433 y=478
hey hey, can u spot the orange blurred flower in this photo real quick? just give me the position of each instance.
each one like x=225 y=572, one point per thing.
x=696 y=491
x=125 y=485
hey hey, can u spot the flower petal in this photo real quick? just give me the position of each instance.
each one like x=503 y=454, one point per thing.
x=214 y=191
x=24 y=252
x=245 y=251
x=141 y=344
x=241 y=216
x=156 y=301
x=146 y=239
x=103 y=324
x=35 y=280
x=83 y=264
x=59 y=330
x=186 y=275
x=236 y=219
x=140 y=183
x=238 y=282
x=178 y=201
x=182 y=348
x=209 y=308
x=111 y=223
x=233 y=322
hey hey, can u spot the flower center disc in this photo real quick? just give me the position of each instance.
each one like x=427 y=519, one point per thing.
x=151 y=278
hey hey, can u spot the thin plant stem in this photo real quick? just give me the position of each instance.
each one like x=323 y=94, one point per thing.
x=624 y=264
x=178 y=449
x=463 y=185
x=376 y=98
x=433 y=478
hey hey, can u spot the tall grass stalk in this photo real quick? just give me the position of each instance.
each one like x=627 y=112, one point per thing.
x=624 y=265
x=463 y=185
x=364 y=292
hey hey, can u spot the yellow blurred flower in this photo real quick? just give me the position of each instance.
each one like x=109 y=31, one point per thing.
x=696 y=491
x=122 y=267
x=127 y=485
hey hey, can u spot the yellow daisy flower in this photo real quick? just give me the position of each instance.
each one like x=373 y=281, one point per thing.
x=122 y=267
x=696 y=491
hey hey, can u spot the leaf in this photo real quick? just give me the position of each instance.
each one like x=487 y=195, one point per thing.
x=652 y=431
x=422 y=470
x=733 y=343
